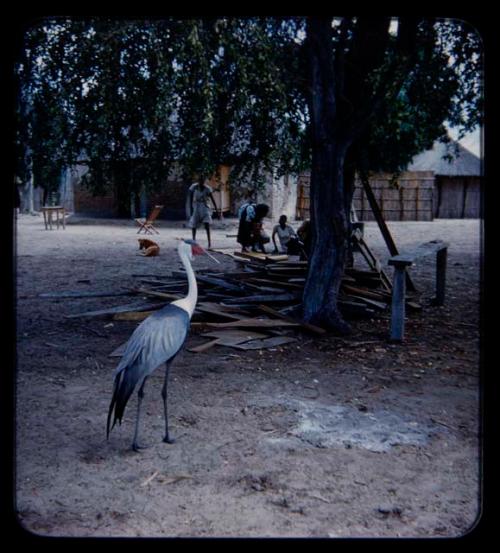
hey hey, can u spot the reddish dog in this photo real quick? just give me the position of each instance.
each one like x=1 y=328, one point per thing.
x=150 y=248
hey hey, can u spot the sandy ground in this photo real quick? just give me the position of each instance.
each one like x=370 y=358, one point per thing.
x=325 y=437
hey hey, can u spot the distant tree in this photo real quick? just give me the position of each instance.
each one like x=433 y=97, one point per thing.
x=260 y=94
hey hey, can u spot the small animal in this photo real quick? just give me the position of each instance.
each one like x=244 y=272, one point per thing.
x=150 y=248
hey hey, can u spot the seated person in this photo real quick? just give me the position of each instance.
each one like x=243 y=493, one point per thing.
x=289 y=241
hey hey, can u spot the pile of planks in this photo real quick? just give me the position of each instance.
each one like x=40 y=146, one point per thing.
x=254 y=306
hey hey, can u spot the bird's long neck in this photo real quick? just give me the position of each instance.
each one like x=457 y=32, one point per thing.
x=189 y=302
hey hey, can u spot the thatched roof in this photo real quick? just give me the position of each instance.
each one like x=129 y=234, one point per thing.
x=466 y=164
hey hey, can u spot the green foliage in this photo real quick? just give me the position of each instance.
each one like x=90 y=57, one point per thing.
x=197 y=93
x=443 y=87
x=133 y=98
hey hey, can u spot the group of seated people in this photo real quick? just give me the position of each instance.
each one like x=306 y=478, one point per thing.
x=251 y=233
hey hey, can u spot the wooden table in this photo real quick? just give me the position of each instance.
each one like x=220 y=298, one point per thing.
x=49 y=212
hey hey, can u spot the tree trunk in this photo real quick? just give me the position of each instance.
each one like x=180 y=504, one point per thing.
x=329 y=226
x=29 y=197
x=329 y=223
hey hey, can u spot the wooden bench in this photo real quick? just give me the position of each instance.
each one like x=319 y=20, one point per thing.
x=401 y=263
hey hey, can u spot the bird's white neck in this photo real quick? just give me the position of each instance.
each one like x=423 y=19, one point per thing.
x=189 y=302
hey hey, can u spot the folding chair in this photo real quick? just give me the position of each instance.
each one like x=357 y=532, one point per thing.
x=146 y=225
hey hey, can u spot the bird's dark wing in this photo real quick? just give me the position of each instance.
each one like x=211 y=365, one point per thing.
x=156 y=340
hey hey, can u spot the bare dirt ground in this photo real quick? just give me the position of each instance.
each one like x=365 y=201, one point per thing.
x=325 y=437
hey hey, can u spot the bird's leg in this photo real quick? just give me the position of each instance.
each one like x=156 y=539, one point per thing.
x=140 y=395
x=167 y=438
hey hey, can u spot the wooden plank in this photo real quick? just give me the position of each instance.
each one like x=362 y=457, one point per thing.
x=206 y=307
x=307 y=326
x=219 y=282
x=259 y=298
x=81 y=294
x=281 y=283
x=281 y=270
x=203 y=347
x=293 y=264
x=261 y=257
x=156 y=294
x=373 y=262
x=165 y=283
x=265 y=343
x=381 y=296
x=118 y=309
x=275 y=289
x=252 y=256
x=225 y=308
x=423 y=250
x=381 y=306
x=132 y=315
x=253 y=323
x=235 y=336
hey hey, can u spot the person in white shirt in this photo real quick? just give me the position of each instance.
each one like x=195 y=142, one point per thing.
x=199 y=194
x=288 y=239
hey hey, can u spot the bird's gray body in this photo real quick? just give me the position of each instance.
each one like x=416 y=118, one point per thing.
x=155 y=341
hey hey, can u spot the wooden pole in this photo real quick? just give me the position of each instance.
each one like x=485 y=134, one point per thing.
x=440 y=276
x=393 y=250
x=398 y=304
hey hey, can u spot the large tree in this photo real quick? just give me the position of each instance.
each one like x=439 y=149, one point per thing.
x=261 y=94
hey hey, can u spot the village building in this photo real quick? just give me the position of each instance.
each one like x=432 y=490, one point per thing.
x=431 y=187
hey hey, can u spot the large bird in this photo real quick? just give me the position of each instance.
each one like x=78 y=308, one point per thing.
x=157 y=340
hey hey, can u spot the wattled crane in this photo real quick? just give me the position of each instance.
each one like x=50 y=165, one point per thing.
x=156 y=341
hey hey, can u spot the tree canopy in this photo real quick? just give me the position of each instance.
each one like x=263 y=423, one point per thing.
x=202 y=92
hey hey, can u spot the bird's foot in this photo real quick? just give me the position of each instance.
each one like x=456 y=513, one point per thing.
x=137 y=447
x=168 y=440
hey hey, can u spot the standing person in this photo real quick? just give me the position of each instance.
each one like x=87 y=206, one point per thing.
x=289 y=241
x=246 y=215
x=199 y=194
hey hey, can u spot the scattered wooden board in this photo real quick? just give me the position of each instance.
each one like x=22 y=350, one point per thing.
x=156 y=294
x=216 y=309
x=253 y=323
x=266 y=343
x=118 y=309
x=219 y=282
x=82 y=294
x=234 y=336
x=261 y=257
x=307 y=326
x=380 y=296
x=229 y=338
x=132 y=315
x=259 y=298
